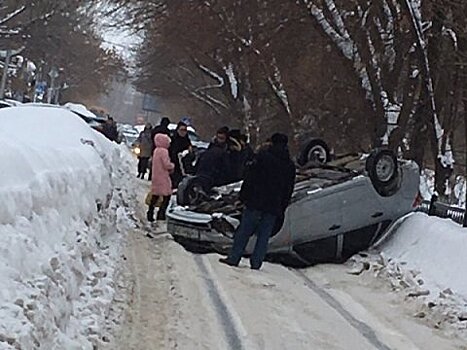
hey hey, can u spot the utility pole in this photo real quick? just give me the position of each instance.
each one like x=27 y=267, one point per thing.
x=5 y=74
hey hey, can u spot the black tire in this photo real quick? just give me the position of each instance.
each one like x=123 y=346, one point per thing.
x=316 y=151
x=383 y=170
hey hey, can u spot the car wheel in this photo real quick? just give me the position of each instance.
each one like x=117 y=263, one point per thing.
x=316 y=151
x=383 y=170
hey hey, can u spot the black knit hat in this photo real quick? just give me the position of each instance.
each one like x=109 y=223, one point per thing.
x=279 y=139
x=165 y=121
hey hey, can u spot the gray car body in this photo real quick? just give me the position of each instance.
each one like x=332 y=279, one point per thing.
x=328 y=211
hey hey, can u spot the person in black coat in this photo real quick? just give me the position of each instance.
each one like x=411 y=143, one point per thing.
x=162 y=128
x=266 y=193
x=144 y=142
x=110 y=130
x=213 y=166
x=180 y=143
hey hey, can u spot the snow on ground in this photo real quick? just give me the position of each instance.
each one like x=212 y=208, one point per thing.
x=424 y=258
x=172 y=299
x=67 y=199
x=434 y=246
x=177 y=300
x=63 y=215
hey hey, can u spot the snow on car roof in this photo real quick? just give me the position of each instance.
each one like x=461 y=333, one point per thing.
x=80 y=109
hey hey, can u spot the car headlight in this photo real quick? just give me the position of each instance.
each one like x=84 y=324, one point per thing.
x=137 y=151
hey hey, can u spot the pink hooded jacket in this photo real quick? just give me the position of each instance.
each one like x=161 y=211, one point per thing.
x=161 y=167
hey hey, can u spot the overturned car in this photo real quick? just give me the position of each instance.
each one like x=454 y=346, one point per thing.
x=338 y=208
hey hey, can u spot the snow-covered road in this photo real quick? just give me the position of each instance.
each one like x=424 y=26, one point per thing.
x=77 y=271
x=175 y=299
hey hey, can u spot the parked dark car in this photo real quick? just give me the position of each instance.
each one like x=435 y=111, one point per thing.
x=94 y=121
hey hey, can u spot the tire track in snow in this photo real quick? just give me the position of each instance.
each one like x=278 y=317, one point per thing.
x=365 y=330
x=230 y=321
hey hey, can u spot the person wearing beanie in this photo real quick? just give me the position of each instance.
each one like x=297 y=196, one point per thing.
x=162 y=128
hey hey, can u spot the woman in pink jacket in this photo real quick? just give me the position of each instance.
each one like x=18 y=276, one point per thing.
x=161 y=183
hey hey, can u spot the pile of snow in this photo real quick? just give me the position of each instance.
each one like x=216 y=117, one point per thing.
x=425 y=258
x=62 y=219
x=80 y=109
x=435 y=247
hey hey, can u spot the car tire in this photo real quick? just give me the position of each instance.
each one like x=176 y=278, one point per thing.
x=316 y=150
x=383 y=170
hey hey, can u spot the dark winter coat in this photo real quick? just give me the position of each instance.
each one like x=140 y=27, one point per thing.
x=145 y=142
x=269 y=181
x=214 y=164
x=160 y=129
x=238 y=161
x=110 y=131
x=178 y=145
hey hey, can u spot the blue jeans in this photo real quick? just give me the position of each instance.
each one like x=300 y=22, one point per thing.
x=253 y=222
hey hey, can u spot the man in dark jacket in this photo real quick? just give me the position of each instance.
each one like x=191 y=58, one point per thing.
x=213 y=166
x=180 y=143
x=266 y=192
x=162 y=128
x=110 y=129
x=144 y=142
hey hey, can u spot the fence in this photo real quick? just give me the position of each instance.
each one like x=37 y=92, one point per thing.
x=444 y=211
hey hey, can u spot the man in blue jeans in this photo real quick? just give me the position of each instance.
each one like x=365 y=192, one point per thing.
x=266 y=192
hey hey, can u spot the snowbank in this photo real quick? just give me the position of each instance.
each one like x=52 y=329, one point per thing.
x=424 y=258
x=435 y=247
x=60 y=228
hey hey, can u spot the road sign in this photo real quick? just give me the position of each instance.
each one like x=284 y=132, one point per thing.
x=150 y=104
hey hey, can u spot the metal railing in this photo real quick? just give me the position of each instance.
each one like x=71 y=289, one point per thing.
x=445 y=211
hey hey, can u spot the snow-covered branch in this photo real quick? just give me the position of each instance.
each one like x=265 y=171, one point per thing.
x=229 y=71
x=413 y=6
x=12 y=15
x=278 y=87
x=345 y=43
x=212 y=74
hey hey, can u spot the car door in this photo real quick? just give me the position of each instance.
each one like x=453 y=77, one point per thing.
x=317 y=215
x=361 y=204
x=316 y=225
x=364 y=215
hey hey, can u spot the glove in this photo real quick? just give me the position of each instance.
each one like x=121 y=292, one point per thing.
x=185 y=153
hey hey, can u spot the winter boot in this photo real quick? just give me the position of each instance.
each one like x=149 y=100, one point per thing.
x=150 y=214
